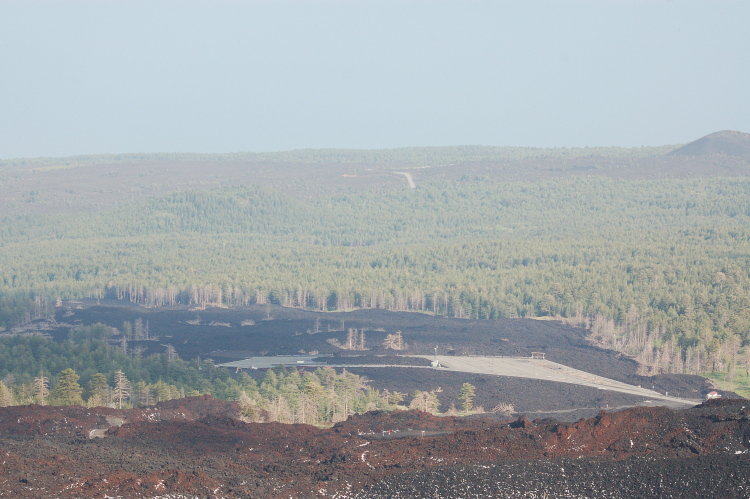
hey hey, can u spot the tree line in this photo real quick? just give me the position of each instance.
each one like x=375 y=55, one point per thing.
x=659 y=268
x=36 y=369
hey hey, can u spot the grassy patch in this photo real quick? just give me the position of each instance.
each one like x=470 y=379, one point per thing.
x=740 y=385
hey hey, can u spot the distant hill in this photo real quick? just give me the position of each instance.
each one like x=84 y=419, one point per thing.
x=727 y=142
x=33 y=186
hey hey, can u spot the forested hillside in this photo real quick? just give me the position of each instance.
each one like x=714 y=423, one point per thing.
x=659 y=268
x=414 y=156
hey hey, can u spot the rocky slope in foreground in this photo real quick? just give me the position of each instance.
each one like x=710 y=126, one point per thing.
x=196 y=448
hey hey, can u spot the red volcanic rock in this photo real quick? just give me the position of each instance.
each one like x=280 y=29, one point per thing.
x=195 y=447
x=76 y=420
x=45 y=420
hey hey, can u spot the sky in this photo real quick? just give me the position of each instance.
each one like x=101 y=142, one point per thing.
x=225 y=76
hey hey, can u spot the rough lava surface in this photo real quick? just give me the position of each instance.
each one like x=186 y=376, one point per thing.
x=197 y=447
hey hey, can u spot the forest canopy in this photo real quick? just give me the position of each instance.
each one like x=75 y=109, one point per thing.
x=649 y=265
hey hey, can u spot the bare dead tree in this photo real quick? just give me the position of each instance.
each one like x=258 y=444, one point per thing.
x=41 y=386
x=394 y=341
x=171 y=353
x=504 y=408
x=122 y=387
x=351 y=339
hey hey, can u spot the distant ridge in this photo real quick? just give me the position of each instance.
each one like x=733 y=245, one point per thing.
x=727 y=142
x=384 y=158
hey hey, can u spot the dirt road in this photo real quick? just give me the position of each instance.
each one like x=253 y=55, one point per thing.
x=409 y=179
x=524 y=367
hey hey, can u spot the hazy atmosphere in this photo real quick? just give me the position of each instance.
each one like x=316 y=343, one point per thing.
x=369 y=250
x=188 y=76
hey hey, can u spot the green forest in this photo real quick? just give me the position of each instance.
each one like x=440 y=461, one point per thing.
x=91 y=372
x=659 y=269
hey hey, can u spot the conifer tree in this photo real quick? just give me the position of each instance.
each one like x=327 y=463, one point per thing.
x=67 y=391
x=467 y=393
x=96 y=390
x=6 y=397
x=425 y=401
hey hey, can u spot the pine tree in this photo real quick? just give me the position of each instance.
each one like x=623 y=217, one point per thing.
x=396 y=398
x=6 y=397
x=467 y=394
x=425 y=401
x=127 y=329
x=138 y=333
x=249 y=409
x=67 y=391
x=96 y=390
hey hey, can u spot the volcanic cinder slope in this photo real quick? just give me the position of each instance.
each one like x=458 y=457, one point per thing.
x=197 y=448
x=726 y=142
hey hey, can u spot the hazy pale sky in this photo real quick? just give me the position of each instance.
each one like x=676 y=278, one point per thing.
x=197 y=76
